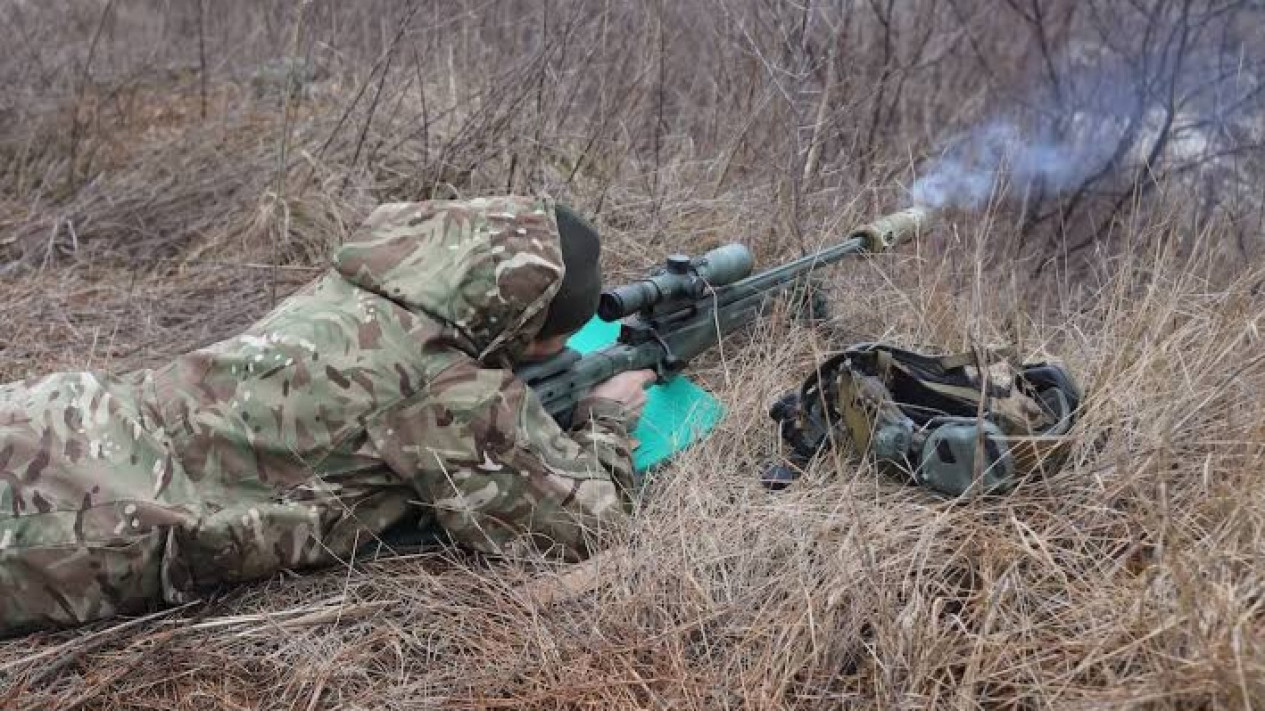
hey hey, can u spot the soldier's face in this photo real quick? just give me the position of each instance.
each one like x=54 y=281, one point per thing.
x=545 y=348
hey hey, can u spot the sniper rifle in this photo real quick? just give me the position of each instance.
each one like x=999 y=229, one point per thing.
x=686 y=306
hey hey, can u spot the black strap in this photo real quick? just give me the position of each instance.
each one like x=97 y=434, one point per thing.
x=809 y=392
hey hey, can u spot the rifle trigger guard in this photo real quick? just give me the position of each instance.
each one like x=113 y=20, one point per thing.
x=669 y=365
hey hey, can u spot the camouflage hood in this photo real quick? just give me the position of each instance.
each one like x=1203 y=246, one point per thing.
x=487 y=267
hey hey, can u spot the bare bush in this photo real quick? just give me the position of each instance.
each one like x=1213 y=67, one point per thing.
x=805 y=103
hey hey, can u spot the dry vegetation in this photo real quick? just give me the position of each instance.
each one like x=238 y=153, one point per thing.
x=166 y=175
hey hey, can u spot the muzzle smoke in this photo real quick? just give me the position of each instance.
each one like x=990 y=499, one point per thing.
x=998 y=159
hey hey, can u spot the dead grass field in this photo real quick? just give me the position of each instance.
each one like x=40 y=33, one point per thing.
x=165 y=179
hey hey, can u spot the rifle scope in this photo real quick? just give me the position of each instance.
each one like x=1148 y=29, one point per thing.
x=680 y=279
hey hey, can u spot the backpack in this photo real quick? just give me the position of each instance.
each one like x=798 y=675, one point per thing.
x=961 y=424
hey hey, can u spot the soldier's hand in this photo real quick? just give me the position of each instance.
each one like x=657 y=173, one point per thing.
x=627 y=389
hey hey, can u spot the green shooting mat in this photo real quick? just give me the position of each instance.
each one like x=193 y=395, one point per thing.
x=678 y=413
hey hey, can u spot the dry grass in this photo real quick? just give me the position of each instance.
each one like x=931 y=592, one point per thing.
x=135 y=228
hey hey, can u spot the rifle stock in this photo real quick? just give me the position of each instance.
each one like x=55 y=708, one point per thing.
x=686 y=307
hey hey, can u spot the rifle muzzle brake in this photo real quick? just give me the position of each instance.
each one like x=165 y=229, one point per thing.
x=890 y=231
x=681 y=279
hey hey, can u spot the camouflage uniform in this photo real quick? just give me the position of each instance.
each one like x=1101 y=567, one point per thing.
x=383 y=385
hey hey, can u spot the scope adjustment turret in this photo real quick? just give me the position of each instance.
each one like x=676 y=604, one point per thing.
x=678 y=264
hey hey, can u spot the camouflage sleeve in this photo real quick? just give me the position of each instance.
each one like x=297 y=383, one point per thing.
x=497 y=470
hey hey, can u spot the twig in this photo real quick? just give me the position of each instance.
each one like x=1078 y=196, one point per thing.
x=283 y=152
x=578 y=580
x=75 y=648
x=377 y=92
x=75 y=127
x=239 y=265
x=202 y=54
x=814 y=145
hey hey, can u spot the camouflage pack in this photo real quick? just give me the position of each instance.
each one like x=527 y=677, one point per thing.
x=960 y=425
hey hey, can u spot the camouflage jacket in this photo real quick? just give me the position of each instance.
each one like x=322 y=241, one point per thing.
x=383 y=387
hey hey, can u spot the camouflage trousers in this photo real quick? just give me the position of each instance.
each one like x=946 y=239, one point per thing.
x=94 y=527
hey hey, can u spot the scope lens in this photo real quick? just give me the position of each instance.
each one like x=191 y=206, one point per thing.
x=624 y=301
x=610 y=307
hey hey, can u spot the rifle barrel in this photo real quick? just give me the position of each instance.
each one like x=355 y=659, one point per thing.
x=785 y=273
x=881 y=235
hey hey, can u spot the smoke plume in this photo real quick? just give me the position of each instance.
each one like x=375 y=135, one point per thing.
x=1000 y=158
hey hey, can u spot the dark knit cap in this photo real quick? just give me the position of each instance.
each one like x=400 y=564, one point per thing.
x=576 y=301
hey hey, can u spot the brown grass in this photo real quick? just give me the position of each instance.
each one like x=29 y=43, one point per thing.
x=134 y=228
